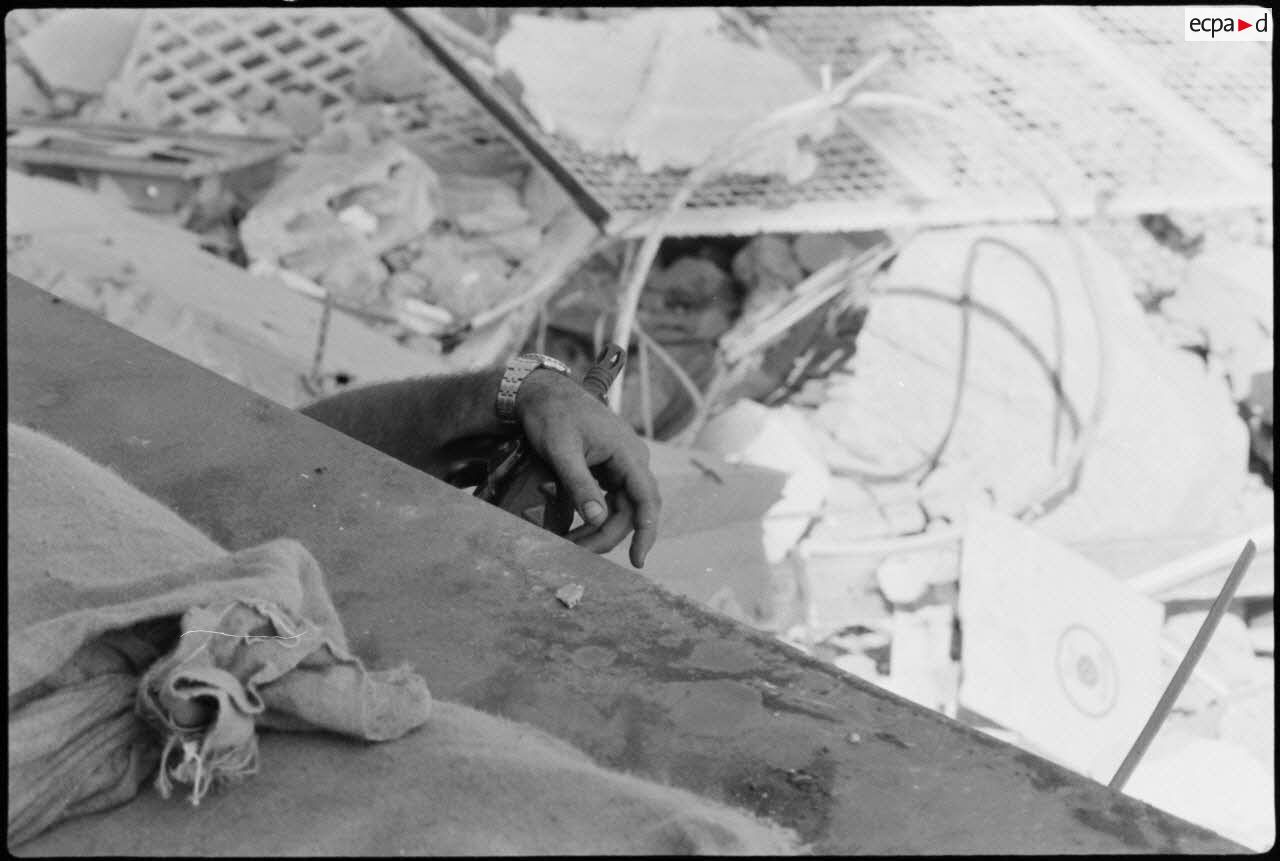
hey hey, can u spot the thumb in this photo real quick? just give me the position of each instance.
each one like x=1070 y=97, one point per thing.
x=567 y=461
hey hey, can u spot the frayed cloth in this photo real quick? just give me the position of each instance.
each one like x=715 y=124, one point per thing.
x=139 y=649
x=466 y=784
x=137 y=642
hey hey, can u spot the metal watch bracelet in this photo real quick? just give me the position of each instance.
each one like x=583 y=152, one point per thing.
x=517 y=369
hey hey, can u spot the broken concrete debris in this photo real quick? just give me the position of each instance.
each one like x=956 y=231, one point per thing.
x=779 y=439
x=462 y=278
x=571 y=594
x=81 y=50
x=873 y=558
x=23 y=97
x=905 y=578
x=481 y=204
x=333 y=215
x=1229 y=659
x=1225 y=307
x=1212 y=782
x=767 y=265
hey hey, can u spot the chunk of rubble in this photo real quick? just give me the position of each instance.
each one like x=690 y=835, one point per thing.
x=514 y=244
x=81 y=49
x=906 y=576
x=570 y=594
x=399 y=70
x=1169 y=455
x=815 y=250
x=1213 y=783
x=461 y=277
x=481 y=204
x=302 y=112
x=1228 y=659
x=543 y=197
x=333 y=216
x=1226 y=306
x=680 y=104
x=777 y=438
x=767 y=268
x=23 y=98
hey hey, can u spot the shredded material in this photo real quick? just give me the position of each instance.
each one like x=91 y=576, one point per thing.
x=123 y=670
x=136 y=644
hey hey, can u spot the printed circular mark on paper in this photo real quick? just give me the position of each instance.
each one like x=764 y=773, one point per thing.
x=1086 y=671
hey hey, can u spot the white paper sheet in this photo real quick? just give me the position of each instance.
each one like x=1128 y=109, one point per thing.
x=1054 y=647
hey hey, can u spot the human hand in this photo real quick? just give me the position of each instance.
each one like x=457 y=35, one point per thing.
x=598 y=460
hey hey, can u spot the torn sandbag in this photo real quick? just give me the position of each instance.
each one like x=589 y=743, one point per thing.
x=466 y=784
x=99 y=576
x=653 y=85
x=332 y=216
x=78 y=747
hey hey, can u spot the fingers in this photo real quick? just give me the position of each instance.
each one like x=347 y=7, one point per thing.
x=564 y=456
x=574 y=433
x=615 y=528
x=642 y=488
x=636 y=506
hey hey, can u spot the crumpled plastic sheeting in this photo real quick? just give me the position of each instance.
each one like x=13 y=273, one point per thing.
x=665 y=87
x=99 y=573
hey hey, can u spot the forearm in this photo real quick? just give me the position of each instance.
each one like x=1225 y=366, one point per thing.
x=411 y=420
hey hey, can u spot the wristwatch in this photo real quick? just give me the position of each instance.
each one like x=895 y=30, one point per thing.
x=517 y=369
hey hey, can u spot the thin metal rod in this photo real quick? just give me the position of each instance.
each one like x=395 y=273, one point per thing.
x=590 y=206
x=1189 y=661
x=317 y=362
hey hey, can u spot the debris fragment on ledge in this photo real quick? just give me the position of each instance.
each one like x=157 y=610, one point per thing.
x=571 y=594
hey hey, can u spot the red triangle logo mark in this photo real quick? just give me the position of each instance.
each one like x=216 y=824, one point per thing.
x=1242 y=24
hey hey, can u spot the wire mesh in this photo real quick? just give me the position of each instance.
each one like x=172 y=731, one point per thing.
x=1114 y=118
x=1108 y=104
x=195 y=62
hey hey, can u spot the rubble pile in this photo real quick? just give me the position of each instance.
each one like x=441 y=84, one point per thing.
x=1010 y=478
x=413 y=238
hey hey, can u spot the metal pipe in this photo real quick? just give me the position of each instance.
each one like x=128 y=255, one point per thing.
x=590 y=207
x=1189 y=661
